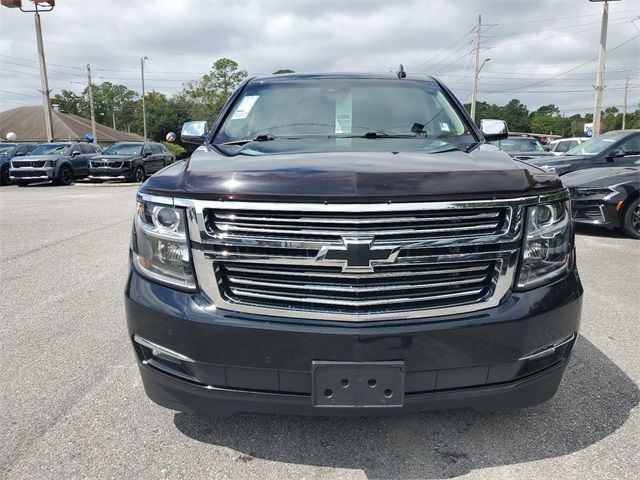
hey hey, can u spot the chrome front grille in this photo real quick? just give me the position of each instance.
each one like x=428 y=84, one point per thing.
x=430 y=259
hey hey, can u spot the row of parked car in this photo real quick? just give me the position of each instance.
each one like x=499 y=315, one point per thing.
x=602 y=174
x=64 y=162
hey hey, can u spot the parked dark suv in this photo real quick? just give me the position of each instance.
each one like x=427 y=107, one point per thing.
x=132 y=161
x=618 y=148
x=350 y=244
x=60 y=162
x=8 y=151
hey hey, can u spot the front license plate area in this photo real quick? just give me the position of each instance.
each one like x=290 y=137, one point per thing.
x=358 y=384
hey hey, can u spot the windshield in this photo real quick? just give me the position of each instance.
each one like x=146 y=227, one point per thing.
x=6 y=149
x=520 y=145
x=124 y=149
x=334 y=114
x=52 y=149
x=596 y=145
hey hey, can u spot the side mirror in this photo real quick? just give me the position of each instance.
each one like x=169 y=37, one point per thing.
x=617 y=153
x=494 y=130
x=75 y=153
x=145 y=154
x=194 y=132
x=20 y=154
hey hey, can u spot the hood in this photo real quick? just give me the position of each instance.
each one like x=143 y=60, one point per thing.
x=38 y=158
x=601 y=177
x=486 y=172
x=554 y=161
x=528 y=155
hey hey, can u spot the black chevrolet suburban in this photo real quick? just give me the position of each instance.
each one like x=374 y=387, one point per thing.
x=350 y=244
x=131 y=161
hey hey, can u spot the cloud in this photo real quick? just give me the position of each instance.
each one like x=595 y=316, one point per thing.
x=527 y=42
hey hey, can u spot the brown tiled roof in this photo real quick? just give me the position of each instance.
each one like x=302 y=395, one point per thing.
x=28 y=124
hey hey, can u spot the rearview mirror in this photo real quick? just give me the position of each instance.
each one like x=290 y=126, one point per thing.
x=194 y=132
x=494 y=129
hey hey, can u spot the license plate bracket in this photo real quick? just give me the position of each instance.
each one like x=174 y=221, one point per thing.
x=358 y=384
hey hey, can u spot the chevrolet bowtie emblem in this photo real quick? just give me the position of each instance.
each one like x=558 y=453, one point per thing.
x=357 y=254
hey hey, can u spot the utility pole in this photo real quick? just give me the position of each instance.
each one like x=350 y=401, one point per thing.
x=46 y=101
x=144 y=110
x=113 y=116
x=597 y=108
x=476 y=72
x=624 y=110
x=93 y=112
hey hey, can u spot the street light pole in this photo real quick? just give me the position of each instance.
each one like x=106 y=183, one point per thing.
x=39 y=6
x=91 y=106
x=597 y=108
x=624 y=110
x=46 y=101
x=474 y=92
x=144 y=109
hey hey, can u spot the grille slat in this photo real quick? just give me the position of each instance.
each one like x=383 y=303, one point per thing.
x=399 y=225
x=349 y=288
x=329 y=300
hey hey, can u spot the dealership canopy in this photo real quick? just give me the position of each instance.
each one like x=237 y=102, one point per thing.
x=28 y=125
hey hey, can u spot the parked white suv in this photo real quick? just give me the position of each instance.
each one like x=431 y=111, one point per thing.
x=559 y=147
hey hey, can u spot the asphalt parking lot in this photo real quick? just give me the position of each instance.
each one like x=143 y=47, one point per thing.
x=72 y=404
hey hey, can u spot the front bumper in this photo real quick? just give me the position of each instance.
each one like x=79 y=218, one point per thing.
x=243 y=362
x=107 y=173
x=595 y=212
x=32 y=174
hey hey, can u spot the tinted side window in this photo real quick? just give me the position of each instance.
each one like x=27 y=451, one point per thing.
x=155 y=148
x=146 y=149
x=86 y=148
x=631 y=146
x=76 y=148
x=22 y=150
x=565 y=146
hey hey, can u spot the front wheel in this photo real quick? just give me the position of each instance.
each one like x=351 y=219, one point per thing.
x=631 y=220
x=65 y=176
x=4 y=176
x=138 y=175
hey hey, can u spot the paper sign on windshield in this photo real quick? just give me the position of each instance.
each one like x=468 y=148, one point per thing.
x=245 y=107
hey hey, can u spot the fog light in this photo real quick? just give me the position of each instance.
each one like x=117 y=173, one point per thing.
x=162 y=352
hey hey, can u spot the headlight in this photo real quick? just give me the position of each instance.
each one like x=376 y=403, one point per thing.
x=592 y=192
x=546 y=249
x=160 y=249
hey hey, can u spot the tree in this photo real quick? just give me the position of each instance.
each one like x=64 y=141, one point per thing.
x=208 y=94
x=283 y=70
x=69 y=102
x=164 y=115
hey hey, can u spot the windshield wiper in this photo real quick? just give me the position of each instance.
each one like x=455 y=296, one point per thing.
x=265 y=137
x=373 y=135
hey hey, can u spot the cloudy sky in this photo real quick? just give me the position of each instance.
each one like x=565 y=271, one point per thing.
x=541 y=52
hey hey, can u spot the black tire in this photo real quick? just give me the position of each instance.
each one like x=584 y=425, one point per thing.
x=631 y=219
x=138 y=175
x=4 y=176
x=65 y=176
